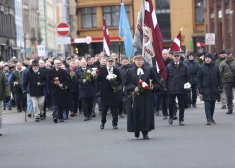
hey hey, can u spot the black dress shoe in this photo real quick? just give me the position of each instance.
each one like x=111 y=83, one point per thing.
x=0 y=134
x=223 y=107
x=229 y=112
x=9 y=108
x=29 y=115
x=86 y=119
x=115 y=127
x=121 y=115
x=55 y=120
x=137 y=134
x=102 y=126
x=175 y=118
x=145 y=135
x=170 y=121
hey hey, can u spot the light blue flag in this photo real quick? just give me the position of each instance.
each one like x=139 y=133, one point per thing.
x=125 y=31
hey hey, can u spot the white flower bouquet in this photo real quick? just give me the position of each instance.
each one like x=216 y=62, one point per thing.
x=112 y=79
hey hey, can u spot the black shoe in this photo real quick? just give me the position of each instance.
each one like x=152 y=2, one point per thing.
x=121 y=115
x=61 y=120
x=4 y=108
x=0 y=134
x=213 y=121
x=115 y=127
x=230 y=112
x=93 y=115
x=86 y=119
x=29 y=115
x=175 y=118
x=223 y=107
x=170 y=121
x=137 y=134
x=181 y=123
x=9 y=108
x=102 y=126
x=194 y=105
x=42 y=117
x=145 y=136
x=72 y=114
x=55 y=120
x=164 y=117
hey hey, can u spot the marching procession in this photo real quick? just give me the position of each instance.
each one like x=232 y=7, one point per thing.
x=78 y=85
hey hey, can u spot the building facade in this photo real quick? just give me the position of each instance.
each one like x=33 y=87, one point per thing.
x=220 y=19
x=47 y=24
x=32 y=34
x=171 y=17
x=19 y=28
x=7 y=30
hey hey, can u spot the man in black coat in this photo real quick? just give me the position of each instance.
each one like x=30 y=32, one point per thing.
x=86 y=89
x=59 y=81
x=177 y=76
x=16 y=87
x=123 y=71
x=210 y=86
x=36 y=79
x=109 y=95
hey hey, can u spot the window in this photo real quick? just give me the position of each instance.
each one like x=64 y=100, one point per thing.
x=199 y=13
x=112 y=15
x=88 y=17
x=163 y=16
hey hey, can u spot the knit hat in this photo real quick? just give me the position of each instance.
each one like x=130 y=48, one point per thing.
x=222 y=52
x=209 y=55
x=191 y=53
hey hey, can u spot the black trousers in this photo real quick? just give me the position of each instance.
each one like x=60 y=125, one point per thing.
x=20 y=100
x=120 y=107
x=114 y=111
x=74 y=102
x=164 y=104
x=181 y=98
x=80 y=105
x=58 y=112
x=87 y=104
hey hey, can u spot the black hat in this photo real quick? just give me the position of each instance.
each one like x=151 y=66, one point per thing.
x=209 y=55
x=192 y=54
x=228 y=51
x=222 y=52
x=35 y=63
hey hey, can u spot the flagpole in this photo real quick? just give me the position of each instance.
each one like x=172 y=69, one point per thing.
x=119 y=50
x=143 y=26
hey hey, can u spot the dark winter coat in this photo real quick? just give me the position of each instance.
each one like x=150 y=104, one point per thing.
x=226 y=71
x=31 y=80
x=123 y=71
x=209 y=81
x=176 y=78
x=167 y=61
x=192 y=69
x=87 y=89
x=108 y=97
x=16 y=76
x=74 y=87
x=4 y=86
x=140 y=108
x=59 y=96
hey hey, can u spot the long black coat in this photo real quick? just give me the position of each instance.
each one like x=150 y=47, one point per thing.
x=140 y=109
x=108 y=97
x=176 y=78
x=59 y=96
x=31 y=80
x=87 y=89
x=123 y=71
x=193 y=69
x=209 y=81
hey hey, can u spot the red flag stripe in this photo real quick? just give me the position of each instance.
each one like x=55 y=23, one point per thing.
x=106 y=41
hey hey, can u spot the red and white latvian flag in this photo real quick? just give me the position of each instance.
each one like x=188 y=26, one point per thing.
x=176 y=45
x=106 y=38
x=150 y=20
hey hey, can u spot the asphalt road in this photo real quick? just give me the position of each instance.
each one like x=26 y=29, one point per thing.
x=79 y=144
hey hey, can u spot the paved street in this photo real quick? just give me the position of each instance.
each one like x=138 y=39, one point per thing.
x=80 y=144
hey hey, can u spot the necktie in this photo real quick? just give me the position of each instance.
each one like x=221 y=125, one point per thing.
x=109 y=69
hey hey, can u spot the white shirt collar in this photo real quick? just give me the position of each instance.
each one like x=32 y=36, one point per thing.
x=109 y=69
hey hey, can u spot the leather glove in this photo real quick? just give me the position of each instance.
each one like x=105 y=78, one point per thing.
x=221 y=91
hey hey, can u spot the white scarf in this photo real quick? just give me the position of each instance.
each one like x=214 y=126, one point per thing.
x=140 y=71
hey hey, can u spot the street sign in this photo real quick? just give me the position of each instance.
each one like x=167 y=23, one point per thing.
x=41 y=50
x=63 y=29
x=88 y=39
x=27 y=50
x=63 y=40
x=210 y=39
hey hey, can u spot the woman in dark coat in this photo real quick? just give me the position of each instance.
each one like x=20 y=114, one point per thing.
x=141 y=107
x=209 y=82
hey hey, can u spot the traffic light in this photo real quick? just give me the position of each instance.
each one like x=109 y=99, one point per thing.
x=76 y=50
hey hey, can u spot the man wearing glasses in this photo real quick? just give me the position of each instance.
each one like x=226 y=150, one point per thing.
x=177 y=76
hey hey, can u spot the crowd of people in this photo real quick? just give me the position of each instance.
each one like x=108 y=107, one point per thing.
x=77 y=84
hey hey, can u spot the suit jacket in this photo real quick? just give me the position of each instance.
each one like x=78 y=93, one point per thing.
x=108 y=97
